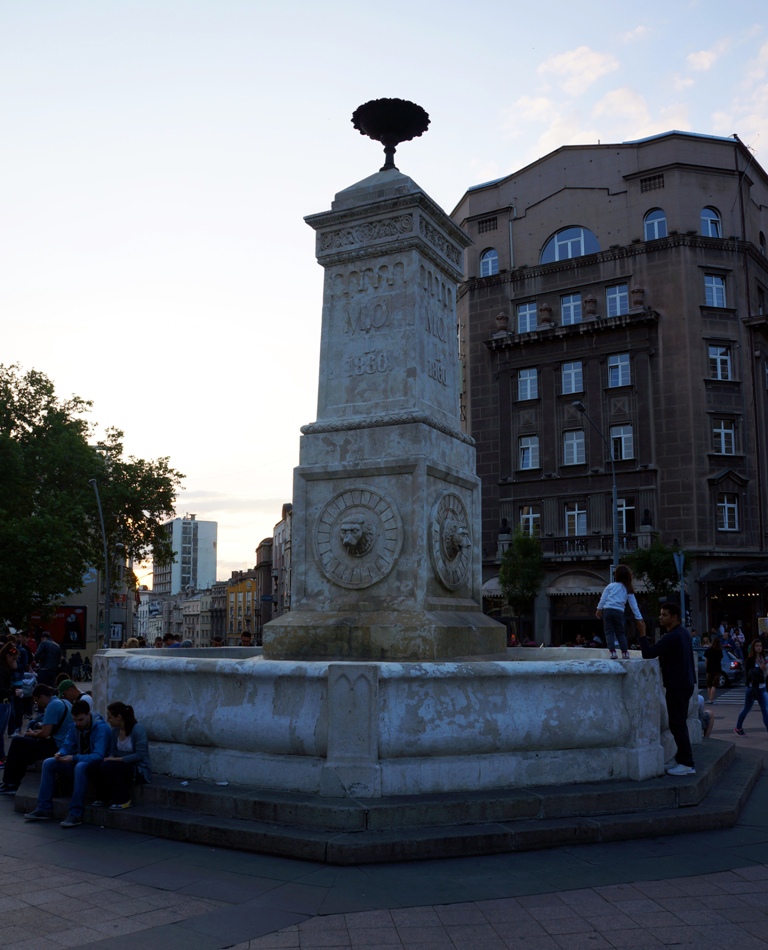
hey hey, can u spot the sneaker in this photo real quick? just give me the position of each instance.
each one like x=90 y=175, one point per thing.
x=613 y=655
x=681 y=769
x=98 y=804
x=119 y=807
x=670 y=765
x=38 y=815
x=624 y=655
x=8 y=789
x=71 y=821
x=739 y=732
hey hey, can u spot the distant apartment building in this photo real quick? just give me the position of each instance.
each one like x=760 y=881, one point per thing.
x=194 y=566
x=281 y=563
x=627 y=281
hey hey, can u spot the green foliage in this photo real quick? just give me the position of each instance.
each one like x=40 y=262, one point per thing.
x=521 y=571
x=654 y=566
x=49 y=526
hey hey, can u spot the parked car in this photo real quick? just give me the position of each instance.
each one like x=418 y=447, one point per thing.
x=732 y=669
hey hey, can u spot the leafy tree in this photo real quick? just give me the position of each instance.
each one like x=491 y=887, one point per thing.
x=655 y=567
x=49 y=526
x=521 y=571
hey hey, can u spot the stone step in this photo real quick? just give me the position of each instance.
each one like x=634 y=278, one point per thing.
x=343 y=832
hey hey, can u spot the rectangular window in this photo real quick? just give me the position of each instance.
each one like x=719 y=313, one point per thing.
x=526 y=317
x=617 y=300
x=625 y=509
x=622 y=443
x=575 y=520
x=618 y=370
x=487 y=224
x=720 y=362
x=570 y=309
x=573 y=447
x=528 y=384
x=530 y=520
x=651 y=184
x=714 y=290
x=528 y=451
x=723 y=436
x=727 y=511
x=572 y=377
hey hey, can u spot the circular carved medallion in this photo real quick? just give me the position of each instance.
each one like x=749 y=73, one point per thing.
x=451 y=546
x=358 y=537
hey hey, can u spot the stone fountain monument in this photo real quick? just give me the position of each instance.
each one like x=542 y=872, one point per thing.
x=386 y=679
x=386 y=502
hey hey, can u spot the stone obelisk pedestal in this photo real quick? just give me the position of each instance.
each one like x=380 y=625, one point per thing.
x=386 y=504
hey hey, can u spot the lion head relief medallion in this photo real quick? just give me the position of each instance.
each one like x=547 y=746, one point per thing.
x=358 y=537
x=451 y=546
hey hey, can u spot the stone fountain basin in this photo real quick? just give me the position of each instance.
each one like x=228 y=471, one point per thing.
x=372 y=729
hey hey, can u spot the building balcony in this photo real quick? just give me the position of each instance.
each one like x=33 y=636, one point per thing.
x=593 y=546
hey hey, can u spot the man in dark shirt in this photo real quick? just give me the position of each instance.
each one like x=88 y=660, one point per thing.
x=47 y=657
x=675 y=654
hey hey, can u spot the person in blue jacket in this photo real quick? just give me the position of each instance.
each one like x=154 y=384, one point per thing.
x=675 y=654
x=86 y=744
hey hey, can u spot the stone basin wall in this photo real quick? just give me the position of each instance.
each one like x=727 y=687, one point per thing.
x=372 y=729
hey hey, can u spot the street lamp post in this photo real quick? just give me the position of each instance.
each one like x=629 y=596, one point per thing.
x=107 y=566
x=107 y=580
x=578 y=404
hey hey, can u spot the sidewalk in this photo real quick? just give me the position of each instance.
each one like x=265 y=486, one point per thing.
x=95 y=888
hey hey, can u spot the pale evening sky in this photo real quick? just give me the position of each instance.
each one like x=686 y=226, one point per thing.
x=159 y=156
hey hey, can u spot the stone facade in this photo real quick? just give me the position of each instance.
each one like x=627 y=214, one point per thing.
x=632 y=278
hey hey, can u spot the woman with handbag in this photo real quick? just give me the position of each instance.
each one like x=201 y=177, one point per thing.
x=757 y=665
x=128 y=761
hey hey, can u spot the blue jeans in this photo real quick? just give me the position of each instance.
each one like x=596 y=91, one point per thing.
x=749 y=699
x=78 y=771
x=614 y=626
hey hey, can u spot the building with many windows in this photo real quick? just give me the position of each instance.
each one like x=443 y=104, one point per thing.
x=194 y=565
x=613 y=320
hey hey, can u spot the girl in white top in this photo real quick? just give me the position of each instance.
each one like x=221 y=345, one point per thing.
x=610 y=610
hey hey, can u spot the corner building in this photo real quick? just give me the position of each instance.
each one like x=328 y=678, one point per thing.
x=631 y=278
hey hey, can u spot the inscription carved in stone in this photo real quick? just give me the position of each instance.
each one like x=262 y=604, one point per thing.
x=358 y=537
x=366 y=232
x=451 y=546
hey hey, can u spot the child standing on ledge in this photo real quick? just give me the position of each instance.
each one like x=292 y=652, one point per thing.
x=610 y=610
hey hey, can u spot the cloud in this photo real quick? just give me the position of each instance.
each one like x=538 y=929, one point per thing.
x=638 y=33
x=625 y=104
x=747 y=112
x=705 y=59
x=681 y=83
x=578 y=69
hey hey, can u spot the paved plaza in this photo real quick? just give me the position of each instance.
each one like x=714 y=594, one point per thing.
x=98 y=888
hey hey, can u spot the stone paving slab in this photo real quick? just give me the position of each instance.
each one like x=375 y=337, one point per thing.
x=100 y=888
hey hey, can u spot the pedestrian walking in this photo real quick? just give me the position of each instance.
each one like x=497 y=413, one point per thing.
x=713 y=659
x=756 y=668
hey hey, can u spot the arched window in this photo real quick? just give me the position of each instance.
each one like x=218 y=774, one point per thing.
x=489 y=262
x=710 y=223
x=655 y=225
x=570 y=242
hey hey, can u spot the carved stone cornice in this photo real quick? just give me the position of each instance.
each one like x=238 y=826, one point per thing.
x=391 y=419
